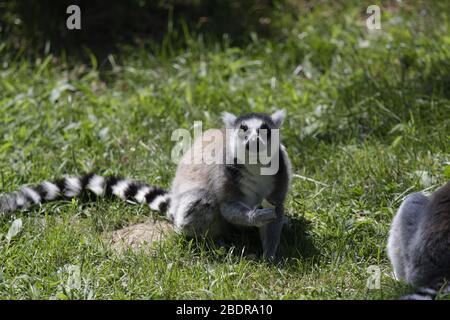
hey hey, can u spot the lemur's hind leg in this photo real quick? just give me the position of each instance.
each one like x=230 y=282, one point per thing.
x=194 y=213
x=270 y=234
x=403 y=228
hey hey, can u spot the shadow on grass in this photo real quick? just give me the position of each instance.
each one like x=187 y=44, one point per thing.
x=296 y=241
x=245 y=243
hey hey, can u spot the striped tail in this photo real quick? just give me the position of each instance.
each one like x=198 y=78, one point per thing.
x=69 y=187
x=428 y=293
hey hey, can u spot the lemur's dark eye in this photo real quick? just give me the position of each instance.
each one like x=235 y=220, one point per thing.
x=242 y=129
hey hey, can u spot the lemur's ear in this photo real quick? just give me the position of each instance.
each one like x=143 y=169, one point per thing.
x=278 y=117
x=228 y=119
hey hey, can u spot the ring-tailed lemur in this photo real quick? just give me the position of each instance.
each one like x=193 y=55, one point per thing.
x=419 y=243
x=204 y=198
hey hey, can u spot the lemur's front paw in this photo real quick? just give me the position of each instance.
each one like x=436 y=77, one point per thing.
x=261 y=217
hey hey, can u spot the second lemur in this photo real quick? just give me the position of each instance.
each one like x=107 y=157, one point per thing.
x=419 y=243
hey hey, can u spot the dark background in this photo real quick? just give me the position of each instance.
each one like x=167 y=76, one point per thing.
x=107 y=24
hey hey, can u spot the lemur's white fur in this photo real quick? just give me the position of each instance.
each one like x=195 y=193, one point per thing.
x=73 y=186
x=51 y=190
x=96 y=185
x=120 y=188
x=32 y=194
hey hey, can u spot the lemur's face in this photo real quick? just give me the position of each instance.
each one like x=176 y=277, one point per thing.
x=253 y=132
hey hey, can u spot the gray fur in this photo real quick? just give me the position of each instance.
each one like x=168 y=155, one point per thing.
x=205 y=198
x=419 y=241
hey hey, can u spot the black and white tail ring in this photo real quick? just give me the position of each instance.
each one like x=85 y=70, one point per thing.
x=69 y=187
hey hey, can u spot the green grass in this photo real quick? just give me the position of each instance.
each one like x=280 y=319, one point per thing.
x=368 y=118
